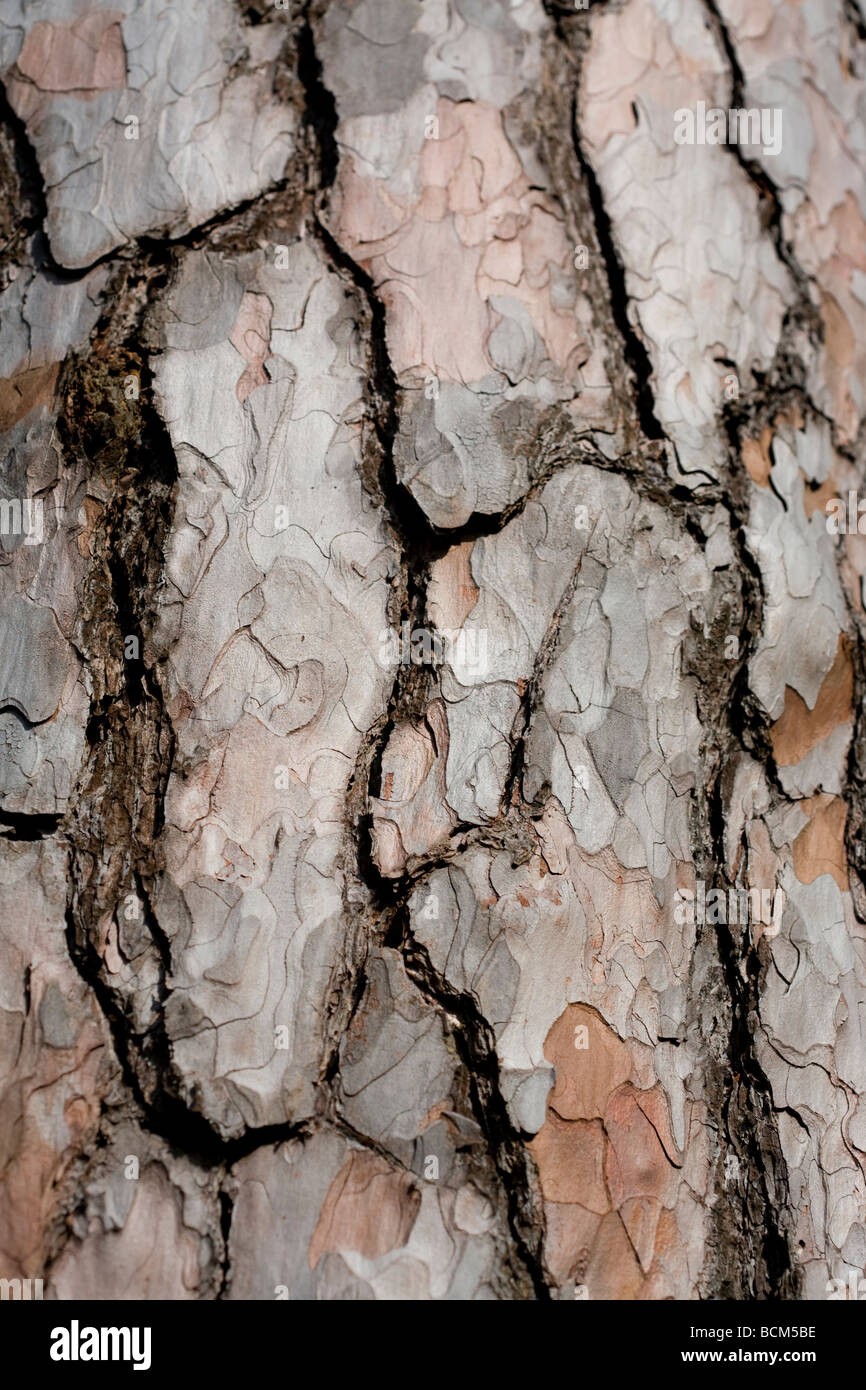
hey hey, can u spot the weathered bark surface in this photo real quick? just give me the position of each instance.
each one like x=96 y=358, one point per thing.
x=347 y=959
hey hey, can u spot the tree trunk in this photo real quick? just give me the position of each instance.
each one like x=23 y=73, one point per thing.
x=432 y=762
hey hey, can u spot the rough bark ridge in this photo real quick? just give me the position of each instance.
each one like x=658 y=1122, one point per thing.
x=432 y=760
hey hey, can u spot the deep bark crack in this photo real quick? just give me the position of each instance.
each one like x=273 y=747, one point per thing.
x=419 y=544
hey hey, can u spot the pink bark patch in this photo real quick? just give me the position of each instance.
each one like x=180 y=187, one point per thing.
x=370 y=1207
x=475 y=228
x=87 y=56
x=251 y=336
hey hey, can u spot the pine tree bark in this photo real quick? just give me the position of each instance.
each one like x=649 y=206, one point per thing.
x=432 y=760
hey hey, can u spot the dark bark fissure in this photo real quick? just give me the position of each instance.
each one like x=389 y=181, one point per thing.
x=28 y=223
x=148 y=248
x=24 y=825
x=636 y=354
x=529 y=699
x=419 y=545
x=476 y=1047
x=803 y=315
x=113 y=828
x=753 y=1235
x=573 y=38
x=855 y=785
x=755 y=1225
x=854 y=16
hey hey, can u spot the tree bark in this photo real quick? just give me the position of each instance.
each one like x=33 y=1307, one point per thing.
x=432 y=760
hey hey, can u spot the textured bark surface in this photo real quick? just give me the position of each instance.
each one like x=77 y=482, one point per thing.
x=432 y=632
